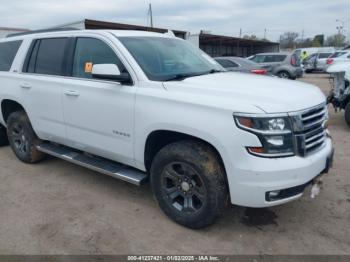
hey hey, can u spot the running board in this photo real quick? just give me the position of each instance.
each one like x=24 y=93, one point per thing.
x=97 y=164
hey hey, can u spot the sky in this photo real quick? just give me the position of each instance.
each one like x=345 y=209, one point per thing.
x=225 y=17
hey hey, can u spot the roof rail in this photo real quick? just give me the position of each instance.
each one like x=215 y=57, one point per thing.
x=43 y=31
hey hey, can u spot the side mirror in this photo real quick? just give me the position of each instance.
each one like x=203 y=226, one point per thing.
x=109 y=72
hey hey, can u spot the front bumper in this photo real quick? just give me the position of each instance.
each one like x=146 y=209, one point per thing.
x=254 y=177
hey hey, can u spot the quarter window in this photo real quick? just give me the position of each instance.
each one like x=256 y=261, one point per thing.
x=90 y=51
x=8 y=51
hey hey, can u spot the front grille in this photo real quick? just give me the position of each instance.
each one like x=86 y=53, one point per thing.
x=309 y=129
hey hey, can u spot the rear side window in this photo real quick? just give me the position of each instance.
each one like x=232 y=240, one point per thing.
x=274 y=58
x=259 y=59
x=324 y=55
x=227 y=63
x=8 y=51
x=47 y=57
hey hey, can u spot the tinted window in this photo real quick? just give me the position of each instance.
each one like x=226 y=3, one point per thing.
x=90 y=51
x=259 y=59
x=274 y=58
x=8 y=52
x=227 y=63
x=337 y=54
x=324 y=55
x=47 y=57
x=30 y=64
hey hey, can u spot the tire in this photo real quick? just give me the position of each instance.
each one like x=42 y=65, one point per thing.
x=347 y=114
x=284 y=74
x=189 y=183
x=22 y=138
x=3 y=136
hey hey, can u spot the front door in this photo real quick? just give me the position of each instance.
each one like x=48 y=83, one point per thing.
x=99 y=115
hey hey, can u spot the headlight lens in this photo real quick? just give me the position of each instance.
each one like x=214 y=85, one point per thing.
x=274 y=133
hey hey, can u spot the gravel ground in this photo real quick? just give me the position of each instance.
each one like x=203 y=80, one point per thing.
x=57 y=208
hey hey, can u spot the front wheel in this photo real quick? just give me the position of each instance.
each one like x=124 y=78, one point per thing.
x=189 y=183
x=347 y=114
x=22 y=138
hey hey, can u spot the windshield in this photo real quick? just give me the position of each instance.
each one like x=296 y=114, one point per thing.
x=164 y=59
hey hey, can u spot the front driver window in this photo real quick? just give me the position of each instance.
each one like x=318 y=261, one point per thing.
x=90 y=51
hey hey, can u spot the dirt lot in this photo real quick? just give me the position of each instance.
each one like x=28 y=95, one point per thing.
x=57 y=208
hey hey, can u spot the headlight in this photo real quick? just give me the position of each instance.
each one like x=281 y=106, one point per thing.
x=274 y=133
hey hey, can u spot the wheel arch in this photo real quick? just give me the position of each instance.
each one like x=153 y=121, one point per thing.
x=9 y=106
x=157 y=139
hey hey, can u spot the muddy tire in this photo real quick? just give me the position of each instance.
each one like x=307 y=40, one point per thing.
x=22 y=138
x=189 y=183
x=3 y=136
x=347 y=114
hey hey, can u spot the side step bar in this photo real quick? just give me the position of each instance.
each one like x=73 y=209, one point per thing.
x=97 y=164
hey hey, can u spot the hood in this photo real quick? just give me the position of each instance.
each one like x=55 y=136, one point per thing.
x=239 y=91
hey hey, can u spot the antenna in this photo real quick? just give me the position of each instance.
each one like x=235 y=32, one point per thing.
x=150 y=14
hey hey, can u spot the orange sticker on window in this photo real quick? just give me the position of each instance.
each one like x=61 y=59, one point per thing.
x=88 y=67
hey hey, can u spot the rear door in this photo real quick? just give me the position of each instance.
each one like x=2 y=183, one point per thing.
x=321 y=60
x=99 y=114
x=41 y=86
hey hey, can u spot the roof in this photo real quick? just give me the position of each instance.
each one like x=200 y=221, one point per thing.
x=14 y=29
x=230 y=39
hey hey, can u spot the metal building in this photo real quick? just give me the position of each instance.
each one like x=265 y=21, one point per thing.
x=219 y=45
x=95 y=24
x=213 y=45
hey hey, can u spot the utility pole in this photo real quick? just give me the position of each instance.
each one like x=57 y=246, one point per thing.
x=302 y=36
x=240 y=33
x=265 y=33
x=150 y=14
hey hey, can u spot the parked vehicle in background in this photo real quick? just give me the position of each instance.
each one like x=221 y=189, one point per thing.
x=316 y=62
x=340 y=93
x=239 y=64
x=313 y=50
x=283 y=65
x=339 y=56
x=142 y=106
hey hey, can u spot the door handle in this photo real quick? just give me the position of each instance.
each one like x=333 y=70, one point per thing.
x=25 y=86
x=71 y=93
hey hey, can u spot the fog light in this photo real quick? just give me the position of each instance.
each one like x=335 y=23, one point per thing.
x=275 y=140
x=274 y=194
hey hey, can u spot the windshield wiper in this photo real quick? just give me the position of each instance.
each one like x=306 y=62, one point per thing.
x=184 y=76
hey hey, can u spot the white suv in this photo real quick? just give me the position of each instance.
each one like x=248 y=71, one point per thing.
x=138 y=105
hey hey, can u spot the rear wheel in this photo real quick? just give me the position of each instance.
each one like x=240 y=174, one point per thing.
x=284 y=74
x=22 y=138
x=347 y=113
x=189 y=183
x=3 y=136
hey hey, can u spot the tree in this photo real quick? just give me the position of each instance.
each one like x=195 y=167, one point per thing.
x=288 y=40
x=251 y=37
x=336 y=40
